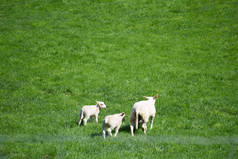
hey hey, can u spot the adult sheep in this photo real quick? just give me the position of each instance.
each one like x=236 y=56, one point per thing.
x=141 y=112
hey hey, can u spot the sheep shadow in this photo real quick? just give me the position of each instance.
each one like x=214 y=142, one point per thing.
x=125 y=128
x=90 y=120
x=70 y=124
x=93 y=135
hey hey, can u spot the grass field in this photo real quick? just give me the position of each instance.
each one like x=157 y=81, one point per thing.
x=58 y=55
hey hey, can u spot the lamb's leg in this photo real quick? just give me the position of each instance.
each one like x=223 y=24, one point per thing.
x=96 y=116
x=85 y=120
x=144 y=127
x=80 y=117
x=116 y=130
x=109 y=131
x=151 y=122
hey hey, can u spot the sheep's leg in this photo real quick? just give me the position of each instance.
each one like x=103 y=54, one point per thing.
x=80 y=120
x=96 y=116
x=116 y=130
x=104 y=133
x=137 y=118
x=151 y=122
x=85 y=120
x=132 y=122
x=132 y=129
x=80 y=117
x=109 y=131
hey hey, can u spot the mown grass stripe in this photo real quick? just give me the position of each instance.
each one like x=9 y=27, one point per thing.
x=198 y=140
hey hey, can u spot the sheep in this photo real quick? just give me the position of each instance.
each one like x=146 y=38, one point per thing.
x=90 y=110
x=112 y=121
x=141 y=112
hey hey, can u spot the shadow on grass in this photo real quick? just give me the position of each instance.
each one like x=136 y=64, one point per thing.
x=70 y=124
x=74 y=123
x=96 y=135
x=90 y=120
x=125 y=128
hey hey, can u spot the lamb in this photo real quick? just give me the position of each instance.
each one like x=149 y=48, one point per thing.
x=90 y=110
x=112 y=121
x=141 y=112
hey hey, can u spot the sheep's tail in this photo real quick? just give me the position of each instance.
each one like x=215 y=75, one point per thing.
x=137 y=120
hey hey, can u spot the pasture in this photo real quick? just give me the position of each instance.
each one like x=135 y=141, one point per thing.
x=58 y=55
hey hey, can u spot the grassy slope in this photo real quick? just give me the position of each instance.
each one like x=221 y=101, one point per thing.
x=59 y=55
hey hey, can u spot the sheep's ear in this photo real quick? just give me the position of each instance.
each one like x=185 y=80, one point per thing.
x=156 y=96
x=122 y=114
x=97 y=102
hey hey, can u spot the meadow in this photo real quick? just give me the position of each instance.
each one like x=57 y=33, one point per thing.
x=58 y=55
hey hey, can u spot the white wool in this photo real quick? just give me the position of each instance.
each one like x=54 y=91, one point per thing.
x=90 y=110
x=144 y=109
x=111 y=122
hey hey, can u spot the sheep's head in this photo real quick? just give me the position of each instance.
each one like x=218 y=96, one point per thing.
x=151 y=98
x=101 y=104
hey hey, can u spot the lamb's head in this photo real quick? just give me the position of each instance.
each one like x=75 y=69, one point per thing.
x=151 y=98
x=123 y=116
x=101 y=104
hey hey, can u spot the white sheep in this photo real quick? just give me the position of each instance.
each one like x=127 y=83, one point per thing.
x=141 y=112
x=90 y=110
x=111 y=122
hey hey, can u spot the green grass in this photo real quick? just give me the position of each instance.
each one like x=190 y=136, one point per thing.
x=58 y=55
